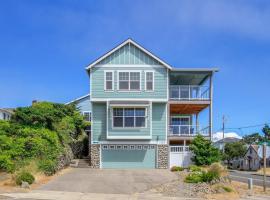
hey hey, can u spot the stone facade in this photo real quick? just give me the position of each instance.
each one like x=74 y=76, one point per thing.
x=162 y=156
x=95 y=155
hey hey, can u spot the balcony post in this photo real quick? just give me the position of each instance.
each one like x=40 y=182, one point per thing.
x=197 y=123
x=179 y=92
x=210 y=107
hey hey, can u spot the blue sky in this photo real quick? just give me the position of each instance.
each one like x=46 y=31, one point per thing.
x=45 y=46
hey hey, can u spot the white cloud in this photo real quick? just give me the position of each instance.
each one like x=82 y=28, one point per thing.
x=219 y=135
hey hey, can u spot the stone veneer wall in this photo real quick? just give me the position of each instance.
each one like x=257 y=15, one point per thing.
x=163 y=156
x=95 y=155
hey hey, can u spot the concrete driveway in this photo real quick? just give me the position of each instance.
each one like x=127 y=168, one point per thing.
x=109 y=181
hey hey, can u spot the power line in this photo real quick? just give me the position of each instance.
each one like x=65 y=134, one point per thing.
x=251 y=126
x=242 y=127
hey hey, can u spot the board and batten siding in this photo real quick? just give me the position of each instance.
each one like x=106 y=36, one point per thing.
x=98 y=122
x=129 y=54
x=160 y=83
x=159 y=121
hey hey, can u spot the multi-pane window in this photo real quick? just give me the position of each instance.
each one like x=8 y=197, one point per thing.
x=108 y=80
x=149 y=81
x=129 y=80
x=129 y=117
x=87 y=116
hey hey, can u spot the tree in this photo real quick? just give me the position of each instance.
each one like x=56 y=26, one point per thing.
x=234 y=150
x=252 y=138
x=266 y=131
x=204 y=153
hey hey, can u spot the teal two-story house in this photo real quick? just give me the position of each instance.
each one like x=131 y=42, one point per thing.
x=144 y=111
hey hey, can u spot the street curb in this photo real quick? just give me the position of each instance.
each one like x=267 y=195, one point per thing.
x=261 y=175
x=256 y=174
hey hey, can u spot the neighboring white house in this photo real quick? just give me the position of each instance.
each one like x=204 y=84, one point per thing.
x=5 y=114
x=220 y=144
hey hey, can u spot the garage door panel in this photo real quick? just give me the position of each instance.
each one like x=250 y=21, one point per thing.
x=128 y=159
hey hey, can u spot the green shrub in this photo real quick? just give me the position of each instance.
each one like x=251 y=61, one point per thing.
x=204 y=153
x=6 y=163
x=194 y=178
x=216 y=168
x=48 y=167
x=24 y=176
x=227 y=188
x=177 y=169
x=209 y=176
x=194 y=168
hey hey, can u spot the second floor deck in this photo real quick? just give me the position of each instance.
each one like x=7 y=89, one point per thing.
x=189 y=92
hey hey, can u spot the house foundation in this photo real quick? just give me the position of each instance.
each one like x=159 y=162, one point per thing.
x=95 y=155
x=162 y=156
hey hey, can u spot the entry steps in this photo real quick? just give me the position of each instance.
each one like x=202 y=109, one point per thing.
x=80 y=163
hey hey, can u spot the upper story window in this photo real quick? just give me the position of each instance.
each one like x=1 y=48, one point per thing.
x=87 y=116
x=149 y=81
x=108 y=80
x=129 y=81
x=129 y=117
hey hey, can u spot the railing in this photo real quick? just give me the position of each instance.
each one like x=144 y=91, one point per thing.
x=187 y=130
x=189 y=92
x=179 y=149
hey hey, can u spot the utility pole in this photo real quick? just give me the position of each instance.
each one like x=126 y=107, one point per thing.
x=223 y=126
x=264 y=166
x=223 y=131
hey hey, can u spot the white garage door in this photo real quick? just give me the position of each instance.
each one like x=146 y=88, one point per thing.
x=180 y=156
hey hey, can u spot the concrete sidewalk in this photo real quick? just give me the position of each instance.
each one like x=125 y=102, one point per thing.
x=59 y=195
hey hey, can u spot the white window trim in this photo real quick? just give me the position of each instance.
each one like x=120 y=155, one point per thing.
x=105 y=81
x=145 y=81
x=128 y=128
x=90 y=115
x=128 y=90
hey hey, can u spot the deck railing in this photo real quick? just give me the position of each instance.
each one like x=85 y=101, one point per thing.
x=189 y=92
x=187 y=130
x=181 y=148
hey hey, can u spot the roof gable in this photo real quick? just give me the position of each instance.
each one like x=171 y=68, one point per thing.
x=128 y=53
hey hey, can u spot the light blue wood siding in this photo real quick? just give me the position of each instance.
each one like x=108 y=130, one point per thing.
x=129 y=54
x=159 y=121
x=129 y=131
x=84 y=104
x=98 y=122
x=124 y=159
x=160 y=83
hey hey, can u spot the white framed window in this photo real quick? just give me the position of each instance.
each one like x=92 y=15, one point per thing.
x=112 y=147
x=125 y=147
x=145 y=147
x=119 y=147
x=139 y=147
x=149 y=80
x=108 y=80
x=105 y=147
x=132 y=147
x=129 y=80
x=87 y=116
x=129 y=117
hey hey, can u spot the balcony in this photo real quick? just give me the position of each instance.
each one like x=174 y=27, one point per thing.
x=187 y=130
x=189 y=92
